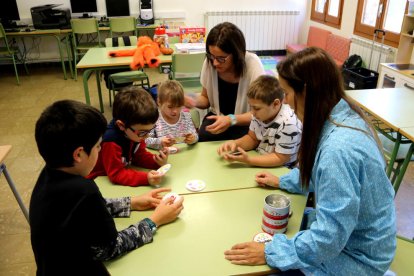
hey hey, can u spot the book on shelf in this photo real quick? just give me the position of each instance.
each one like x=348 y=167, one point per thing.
x=190 y=47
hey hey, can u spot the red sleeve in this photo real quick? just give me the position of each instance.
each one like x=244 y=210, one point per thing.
x=143 y=158
x=111 y=157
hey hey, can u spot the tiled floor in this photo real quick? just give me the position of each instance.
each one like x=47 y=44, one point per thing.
x=20 y=106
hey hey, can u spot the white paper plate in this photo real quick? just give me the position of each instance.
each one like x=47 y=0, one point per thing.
x=195 y=185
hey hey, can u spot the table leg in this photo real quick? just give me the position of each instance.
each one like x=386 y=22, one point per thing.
x=86 y=74
x=98 y=84
x=404 y=166
x=394 y=154
x=15 y=192
x=61 y=56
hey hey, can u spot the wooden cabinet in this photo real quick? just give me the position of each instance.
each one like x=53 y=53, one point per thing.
x=390 y=77
x=405 y=47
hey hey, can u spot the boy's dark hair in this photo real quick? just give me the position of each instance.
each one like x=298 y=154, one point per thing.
x=133 y=105
x=267 y=89
x=171 y=91
x=63 y=127
x=230 y=39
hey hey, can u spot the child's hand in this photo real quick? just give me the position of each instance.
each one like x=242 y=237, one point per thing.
x=265 y=178
x=189 y=138
x=167 y=141
x=239 y=155
x=229 y=146
x=161 y=158
x=154 y=178
x=148 y=200
x=167 y=211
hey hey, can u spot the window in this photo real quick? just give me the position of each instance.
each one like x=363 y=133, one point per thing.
x=387 y=15
x=327 y=12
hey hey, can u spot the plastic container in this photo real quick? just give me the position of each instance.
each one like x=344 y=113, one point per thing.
x=360 y=78
x=161 y=37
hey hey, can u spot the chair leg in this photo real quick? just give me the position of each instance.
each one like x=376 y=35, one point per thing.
x=15 y=70
x=74 y=65
x=14 y=190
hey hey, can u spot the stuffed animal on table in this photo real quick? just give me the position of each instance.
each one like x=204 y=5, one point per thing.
x=147 y=52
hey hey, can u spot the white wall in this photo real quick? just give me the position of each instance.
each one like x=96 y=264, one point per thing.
x=192 y=10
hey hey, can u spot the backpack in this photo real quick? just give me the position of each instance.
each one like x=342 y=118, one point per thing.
x=353 y=61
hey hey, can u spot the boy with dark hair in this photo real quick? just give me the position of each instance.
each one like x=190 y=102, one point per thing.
x=72 y=229
x=274 y=131
x=134 y=115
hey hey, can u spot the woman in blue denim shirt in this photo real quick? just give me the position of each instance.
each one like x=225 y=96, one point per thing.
x=354 y=232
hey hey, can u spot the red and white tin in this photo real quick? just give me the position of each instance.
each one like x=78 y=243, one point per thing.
x=275 y=214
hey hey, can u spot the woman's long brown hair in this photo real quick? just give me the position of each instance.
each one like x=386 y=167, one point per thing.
x=315 y=77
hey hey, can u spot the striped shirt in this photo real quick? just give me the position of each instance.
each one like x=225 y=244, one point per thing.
x=184 y=126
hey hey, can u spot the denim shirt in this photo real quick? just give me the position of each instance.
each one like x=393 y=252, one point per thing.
x=354 y=232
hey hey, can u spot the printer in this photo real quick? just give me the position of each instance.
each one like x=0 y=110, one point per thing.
x=47 y=17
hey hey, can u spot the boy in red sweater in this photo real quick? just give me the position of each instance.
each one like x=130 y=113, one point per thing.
x=134 y=115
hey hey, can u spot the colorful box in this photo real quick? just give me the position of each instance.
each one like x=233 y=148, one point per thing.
x=192 y=34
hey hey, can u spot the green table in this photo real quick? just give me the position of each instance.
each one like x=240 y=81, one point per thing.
x=55 y=33
x=97 y=59
x=195 y=243
x=199 y=161
x=394 y=108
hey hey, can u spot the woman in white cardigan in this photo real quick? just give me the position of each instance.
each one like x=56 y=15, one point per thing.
x=226 y=75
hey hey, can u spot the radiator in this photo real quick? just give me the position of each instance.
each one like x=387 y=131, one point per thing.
x=380 y=54
x=263 y=30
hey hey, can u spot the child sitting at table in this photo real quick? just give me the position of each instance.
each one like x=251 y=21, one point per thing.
x=173 y=125
x=71 y=224
x=274 y=131
x=134 y=115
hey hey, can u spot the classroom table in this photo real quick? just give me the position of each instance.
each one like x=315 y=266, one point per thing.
x=199 y=161
x=97 y=60
x=403 y=259
x=394 y=108
x=55 y=33
x=194 y=244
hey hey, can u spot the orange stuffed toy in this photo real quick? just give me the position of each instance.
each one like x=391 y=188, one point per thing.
x=145 y=53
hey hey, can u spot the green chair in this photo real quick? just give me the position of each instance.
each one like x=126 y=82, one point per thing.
x=118 y=78
x=388 y=140
x=85 y=35
x=186 y=68
x=122 y=25
x=10 y=53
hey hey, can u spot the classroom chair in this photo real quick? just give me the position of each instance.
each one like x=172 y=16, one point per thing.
x=84 y=27
x=118 y=78
x=10 y=53
x=122 y=25
x=186 y=69
x=4 y=151
x=388 y=140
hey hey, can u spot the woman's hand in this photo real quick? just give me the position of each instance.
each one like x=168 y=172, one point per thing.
x=148 y=200
x=167 y=211
x=267 y=179
x=221 y=124
x=249 y=253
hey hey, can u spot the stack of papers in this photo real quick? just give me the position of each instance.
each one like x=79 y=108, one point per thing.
x=190 y=47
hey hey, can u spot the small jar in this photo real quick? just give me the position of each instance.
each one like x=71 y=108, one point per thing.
x=161 y=37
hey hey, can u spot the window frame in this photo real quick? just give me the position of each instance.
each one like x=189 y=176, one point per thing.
x=325 y=18
x=391 y=39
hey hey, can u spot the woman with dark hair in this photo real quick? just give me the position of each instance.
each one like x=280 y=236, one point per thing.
x=354 y=230
x=226 y=75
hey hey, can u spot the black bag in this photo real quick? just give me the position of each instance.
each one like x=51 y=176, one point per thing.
x=353 y=61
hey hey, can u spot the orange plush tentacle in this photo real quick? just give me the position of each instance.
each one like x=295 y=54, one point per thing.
x=122 y=53
x=150 y=56
x=137 y=60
